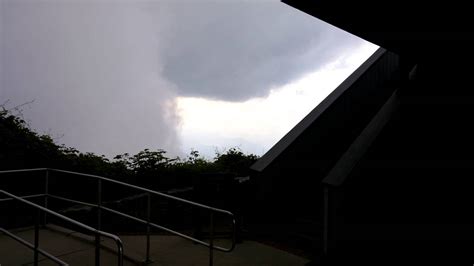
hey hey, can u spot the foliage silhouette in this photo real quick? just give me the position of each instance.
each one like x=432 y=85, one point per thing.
x=21 y=147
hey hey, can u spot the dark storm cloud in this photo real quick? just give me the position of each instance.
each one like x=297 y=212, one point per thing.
x=106 y=73
x=236 y=50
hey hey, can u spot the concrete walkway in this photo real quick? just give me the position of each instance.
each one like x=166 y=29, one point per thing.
x=77 y=249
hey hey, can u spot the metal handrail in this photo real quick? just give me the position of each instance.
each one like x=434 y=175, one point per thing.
x=24 y=197
x=137 y=220
x=149 y=224
x=31 y=246
x=96 y=232
x=123 y=184
x=146 y=190
x=147 y=221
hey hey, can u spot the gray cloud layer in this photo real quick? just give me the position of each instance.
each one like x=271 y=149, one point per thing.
x=236 y=50
x=105 y=73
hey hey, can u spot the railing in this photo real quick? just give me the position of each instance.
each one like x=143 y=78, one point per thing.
x=33 y=247
x=36 y=248
x=147 y=221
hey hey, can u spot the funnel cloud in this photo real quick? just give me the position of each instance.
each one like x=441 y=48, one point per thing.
x=105 y=75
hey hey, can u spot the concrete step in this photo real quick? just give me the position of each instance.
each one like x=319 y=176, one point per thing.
x=78 y=249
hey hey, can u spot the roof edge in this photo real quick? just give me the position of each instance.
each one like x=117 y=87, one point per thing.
x=297 y=130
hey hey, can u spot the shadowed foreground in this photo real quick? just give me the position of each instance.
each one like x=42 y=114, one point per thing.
x=78 y=249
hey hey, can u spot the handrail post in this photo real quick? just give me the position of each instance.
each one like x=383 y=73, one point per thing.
x=46 y=195
x=211 y=240
x=37 y=221
x=119 y=252
x=97 y=249
x=148 y=215
x=99 y=222
x=99 y=204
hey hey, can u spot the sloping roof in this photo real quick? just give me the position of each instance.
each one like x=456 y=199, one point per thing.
x=304 y=124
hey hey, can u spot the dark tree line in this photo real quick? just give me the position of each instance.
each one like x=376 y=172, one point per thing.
x=21 y=147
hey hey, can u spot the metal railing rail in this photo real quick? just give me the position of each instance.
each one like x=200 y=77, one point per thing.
x=24 y=197
x=96 y=232
x=33 y=247
x=147 y=222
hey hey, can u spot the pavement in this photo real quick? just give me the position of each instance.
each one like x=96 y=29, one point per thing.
x=78 y=249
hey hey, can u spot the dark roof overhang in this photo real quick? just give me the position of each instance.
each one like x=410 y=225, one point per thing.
x=409 y=28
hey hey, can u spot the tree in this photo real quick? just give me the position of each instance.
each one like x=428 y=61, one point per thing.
x=235 y=161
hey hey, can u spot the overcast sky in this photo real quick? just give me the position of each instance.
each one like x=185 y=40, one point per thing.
x=119 y=76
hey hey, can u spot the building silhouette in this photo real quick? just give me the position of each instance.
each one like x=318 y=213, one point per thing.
x=382 y=170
